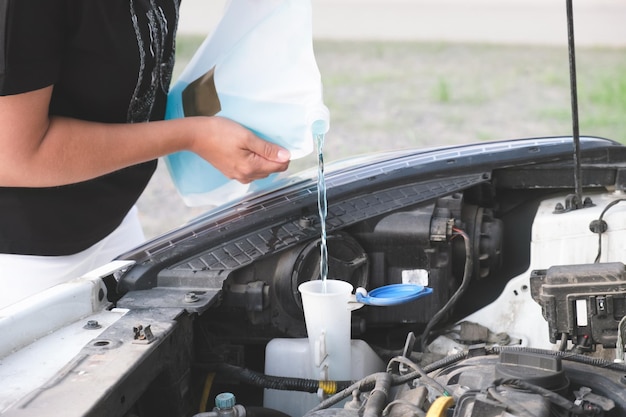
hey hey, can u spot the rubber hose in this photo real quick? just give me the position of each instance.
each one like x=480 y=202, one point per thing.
x=378 y=397
x=273 y=382
x=565 y=356
x=448 y=360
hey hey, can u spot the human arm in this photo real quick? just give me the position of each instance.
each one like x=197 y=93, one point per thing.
x=41 y=151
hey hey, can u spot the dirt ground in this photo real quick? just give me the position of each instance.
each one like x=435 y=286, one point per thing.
x=386 y=95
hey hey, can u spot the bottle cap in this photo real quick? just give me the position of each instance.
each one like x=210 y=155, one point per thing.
x=389 y=295
x=225 y=400
x=319 y=120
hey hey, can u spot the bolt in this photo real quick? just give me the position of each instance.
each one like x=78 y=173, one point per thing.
x=559 y=208
x=92 y=325
x=305 y=222
x=191 y=297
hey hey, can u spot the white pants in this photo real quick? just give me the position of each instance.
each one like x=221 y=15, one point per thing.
x=25 y=275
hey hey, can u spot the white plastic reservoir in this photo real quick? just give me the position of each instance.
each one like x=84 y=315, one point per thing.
x=327 y=354
x=291 y=358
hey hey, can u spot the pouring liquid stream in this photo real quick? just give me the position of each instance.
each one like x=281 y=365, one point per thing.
x=322 y=205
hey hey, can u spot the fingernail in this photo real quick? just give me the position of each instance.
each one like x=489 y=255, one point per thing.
x=284 y=155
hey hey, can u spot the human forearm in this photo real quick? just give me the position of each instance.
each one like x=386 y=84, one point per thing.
x=71 y=150
x=38 y=151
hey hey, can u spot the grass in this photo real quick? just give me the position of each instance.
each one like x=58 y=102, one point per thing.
x=442 y=91
x=604 y=102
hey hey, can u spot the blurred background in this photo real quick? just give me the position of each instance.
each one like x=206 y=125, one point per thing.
x=417 y=73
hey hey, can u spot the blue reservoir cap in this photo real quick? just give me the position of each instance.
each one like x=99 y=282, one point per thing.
x=225 y=400
x=392 y=294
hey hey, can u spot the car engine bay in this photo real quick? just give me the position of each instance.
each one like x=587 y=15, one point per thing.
x=524 y=318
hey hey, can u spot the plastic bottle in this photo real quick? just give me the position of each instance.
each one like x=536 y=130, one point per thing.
x=258 y=69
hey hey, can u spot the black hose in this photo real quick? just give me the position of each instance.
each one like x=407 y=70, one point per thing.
x=378 y=397
x=269 y=381
x=573 y=357
x=467 y=274
x=601 y=229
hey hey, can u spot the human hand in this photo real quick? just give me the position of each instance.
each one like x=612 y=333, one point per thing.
x=237 y=152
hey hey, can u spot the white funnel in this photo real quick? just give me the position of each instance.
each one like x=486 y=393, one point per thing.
x=327 y=315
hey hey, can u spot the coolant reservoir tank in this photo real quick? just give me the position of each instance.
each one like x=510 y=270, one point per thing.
x=291 y=358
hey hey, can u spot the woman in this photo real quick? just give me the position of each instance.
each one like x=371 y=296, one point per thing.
x=83 y=86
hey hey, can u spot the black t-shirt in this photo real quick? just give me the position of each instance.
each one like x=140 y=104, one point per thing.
x=110 y=61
